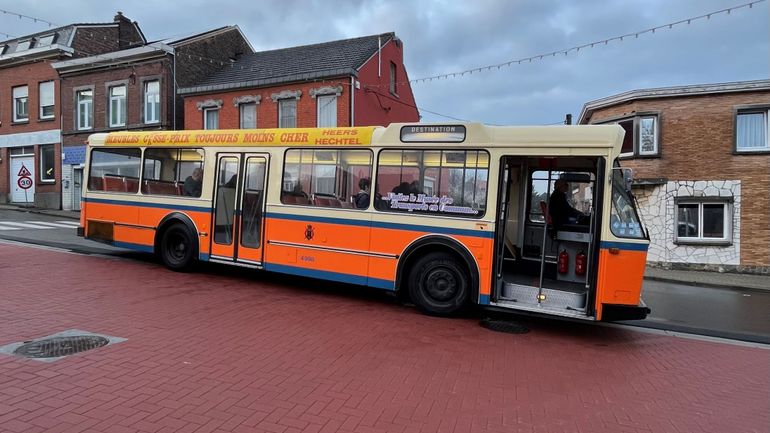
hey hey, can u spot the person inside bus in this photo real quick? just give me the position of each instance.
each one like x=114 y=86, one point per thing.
x=193 y=183
x=560 y=210
x=362 y=198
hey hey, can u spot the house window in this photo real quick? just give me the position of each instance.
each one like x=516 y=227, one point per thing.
x=248 y=116
x=287 y=113
x=20 y=104
x=152 y=101
x=641 y=137
x=703 y=222
x=393 y=78
x=23 y=45
x=46 y=40
x=327 y=111
x=211 y=118
x=751 y=131
x=46 y=100
x=85 y=109
x=118 y=106
x=47 y=163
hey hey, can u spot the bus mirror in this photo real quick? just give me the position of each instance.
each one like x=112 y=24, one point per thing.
x=628 y=178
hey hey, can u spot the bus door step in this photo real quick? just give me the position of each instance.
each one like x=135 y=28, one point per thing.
x=551 y=298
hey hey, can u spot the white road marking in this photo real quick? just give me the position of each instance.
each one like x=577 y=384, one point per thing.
x=25 y=225
x=70 y=223
x=67 y=226
x=10 y=228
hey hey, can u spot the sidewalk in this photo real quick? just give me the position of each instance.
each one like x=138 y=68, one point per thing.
x=53 y=212
x=713 y=279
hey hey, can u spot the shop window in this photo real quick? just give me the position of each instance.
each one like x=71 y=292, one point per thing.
x=433 y=182
x=47 y=163
x=327 y=178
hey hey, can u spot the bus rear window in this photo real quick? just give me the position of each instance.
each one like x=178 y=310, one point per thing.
x=433 y=182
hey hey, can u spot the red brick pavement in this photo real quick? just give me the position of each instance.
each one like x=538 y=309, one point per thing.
x=225 y=351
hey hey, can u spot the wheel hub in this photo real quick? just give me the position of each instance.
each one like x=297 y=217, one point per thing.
x=441 y=284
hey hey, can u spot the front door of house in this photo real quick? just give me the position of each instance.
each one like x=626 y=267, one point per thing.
x=23 y=179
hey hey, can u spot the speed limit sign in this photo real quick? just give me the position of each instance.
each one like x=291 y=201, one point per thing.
x=24 y=182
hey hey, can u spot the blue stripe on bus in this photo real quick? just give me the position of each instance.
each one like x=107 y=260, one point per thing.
x=203 y=257
x=384 y=225
x=624 y=246
x=151 y=205
x=333 y=276
x=483 y=299
x=135 y=247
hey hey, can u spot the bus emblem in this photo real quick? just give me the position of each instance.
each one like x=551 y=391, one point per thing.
x=309 y=232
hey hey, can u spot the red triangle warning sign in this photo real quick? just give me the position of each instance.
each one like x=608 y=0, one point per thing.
x=24 y=172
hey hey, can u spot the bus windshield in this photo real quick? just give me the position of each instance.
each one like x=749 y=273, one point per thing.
x=624 y=219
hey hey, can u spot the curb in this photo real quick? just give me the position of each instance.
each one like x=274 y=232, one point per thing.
x=706 y=284
x=55 y=213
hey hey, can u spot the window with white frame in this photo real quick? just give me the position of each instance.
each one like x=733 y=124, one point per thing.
x=152 y=101
x=703 y=221
x=84 y=109
x=327 y=111
x=24 y=45
x=117 y=106
x=751 y=131
x=46 y=90
x=211 y=118
x=641 y=138
x=20 y=104
x=46 y=40
x=248 y=114
x=287 y=113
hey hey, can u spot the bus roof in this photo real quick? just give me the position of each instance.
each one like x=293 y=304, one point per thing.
x=397 y=134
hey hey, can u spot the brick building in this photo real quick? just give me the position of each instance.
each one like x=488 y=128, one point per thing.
x=30 y=120
x=352 y=82
x=133 y=89
x=701 y=161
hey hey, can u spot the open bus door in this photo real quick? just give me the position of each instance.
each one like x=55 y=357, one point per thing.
x=239 y=208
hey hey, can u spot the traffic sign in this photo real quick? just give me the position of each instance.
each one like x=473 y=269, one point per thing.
x=24 y=182
x=24 y=172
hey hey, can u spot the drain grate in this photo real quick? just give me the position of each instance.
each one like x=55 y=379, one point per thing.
x=60 y=346
x=506 y=326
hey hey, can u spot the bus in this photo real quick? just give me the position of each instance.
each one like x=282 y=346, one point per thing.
x=536 y=220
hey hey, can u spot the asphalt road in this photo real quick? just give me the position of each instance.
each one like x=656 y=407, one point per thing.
x=713 y=311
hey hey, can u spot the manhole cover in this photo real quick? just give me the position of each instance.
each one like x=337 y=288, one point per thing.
x=504 y=326
x=60 y=346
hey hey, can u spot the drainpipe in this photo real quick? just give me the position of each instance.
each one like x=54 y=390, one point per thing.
x=379 y=57
x=352 y=100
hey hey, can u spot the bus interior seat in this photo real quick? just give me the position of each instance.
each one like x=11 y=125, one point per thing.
x=96 y=183
x=114 y=183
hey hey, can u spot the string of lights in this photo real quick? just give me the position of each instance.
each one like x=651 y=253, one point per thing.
x=576 y=49
x=33 y=19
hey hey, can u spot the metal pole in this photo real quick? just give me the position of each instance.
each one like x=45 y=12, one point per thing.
x=545 y=235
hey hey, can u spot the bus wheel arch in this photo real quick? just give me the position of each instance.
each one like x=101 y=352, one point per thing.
x=176 y=241
x=453 y=262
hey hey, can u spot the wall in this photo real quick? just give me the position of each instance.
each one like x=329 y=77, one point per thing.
x=267 y=110
x=28 y=133
x=374 y=104
x=696 y=144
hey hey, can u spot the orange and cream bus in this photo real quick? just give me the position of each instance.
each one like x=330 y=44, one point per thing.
x=534 y=219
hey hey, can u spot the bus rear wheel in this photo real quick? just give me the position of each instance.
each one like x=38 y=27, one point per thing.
x=439 y=284
x=178 y=247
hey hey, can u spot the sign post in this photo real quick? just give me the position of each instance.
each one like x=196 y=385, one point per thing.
x=25 y=181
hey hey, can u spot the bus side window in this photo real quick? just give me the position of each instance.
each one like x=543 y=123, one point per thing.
x=326 y=178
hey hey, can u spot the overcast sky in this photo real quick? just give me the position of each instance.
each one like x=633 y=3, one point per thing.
x=443 y=36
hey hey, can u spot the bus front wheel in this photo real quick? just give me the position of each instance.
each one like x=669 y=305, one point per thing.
x=439 y=284
x=178 y=247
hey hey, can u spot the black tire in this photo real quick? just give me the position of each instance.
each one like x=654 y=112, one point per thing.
x=439 y=284
x=178 y=247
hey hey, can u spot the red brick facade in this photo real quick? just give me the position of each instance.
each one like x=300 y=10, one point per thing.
x=372 y=102
x=30 y=75
x=697 y=140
